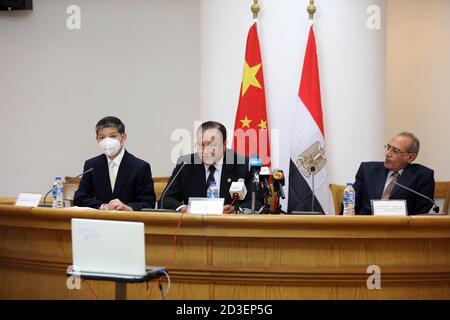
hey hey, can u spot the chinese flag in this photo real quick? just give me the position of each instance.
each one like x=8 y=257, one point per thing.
x=251 y=129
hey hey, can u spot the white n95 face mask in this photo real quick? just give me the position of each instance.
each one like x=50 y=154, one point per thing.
x=110 y=146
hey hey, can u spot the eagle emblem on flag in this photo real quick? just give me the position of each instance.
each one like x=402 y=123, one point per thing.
x=313 y=156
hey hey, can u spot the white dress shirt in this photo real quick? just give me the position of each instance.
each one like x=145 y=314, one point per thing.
x=117 y=160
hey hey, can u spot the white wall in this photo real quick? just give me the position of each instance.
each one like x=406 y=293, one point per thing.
x=162 y=65
x=137 y=60
x=419 y=77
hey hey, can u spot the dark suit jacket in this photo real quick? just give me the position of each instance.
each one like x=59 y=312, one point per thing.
x=134 y=184
x=371 y=178
x=191 y=182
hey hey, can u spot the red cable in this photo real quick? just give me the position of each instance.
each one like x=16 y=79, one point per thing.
x=172 y=259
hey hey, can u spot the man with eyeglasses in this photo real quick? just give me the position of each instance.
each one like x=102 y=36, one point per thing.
x=212 y=162
x=376 y=180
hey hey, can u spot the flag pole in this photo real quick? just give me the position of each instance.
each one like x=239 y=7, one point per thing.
x=255 y=8
x=311 y=9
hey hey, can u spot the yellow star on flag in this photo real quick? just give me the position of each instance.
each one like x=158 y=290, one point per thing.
x=263 y=124
x=249 y=77
x=246 y=122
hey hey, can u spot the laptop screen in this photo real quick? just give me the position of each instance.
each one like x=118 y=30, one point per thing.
x=108 y=247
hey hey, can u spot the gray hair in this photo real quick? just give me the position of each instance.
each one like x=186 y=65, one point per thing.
x=415 y=143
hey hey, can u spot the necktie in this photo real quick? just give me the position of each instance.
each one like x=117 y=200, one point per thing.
x=390 y=186
x=210 y=179
x=112 y=174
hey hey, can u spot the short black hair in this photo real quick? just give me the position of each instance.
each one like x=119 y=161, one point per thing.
x=214 y=125
x=110 y=122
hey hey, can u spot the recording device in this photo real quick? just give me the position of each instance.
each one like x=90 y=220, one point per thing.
x=264 y=175
x=255 y=167
x=435 y=206
x=278 y=182
x=238 y=191
x=70 y=180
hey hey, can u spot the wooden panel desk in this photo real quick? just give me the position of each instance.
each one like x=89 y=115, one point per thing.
x=238 y=256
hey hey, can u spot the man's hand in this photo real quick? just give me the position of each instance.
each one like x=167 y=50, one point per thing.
x=227 y=209
x=117 y=205
x=183 y=209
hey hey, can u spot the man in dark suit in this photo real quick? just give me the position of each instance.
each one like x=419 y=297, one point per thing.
x=119 y=181
x=212 y=162
x=375 y=180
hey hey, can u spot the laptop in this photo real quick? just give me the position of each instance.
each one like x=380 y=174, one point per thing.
x=112 y=249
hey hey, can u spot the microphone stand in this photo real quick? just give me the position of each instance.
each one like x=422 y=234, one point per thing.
x=313 y=173
x=255 y=184
x=435 y=206
x=234 y=202
x=70 y=180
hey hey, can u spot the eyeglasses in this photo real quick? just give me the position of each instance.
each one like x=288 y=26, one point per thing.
x=204 y=146
x=394 y=150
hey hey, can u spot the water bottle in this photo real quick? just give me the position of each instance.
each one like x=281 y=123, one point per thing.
x=349 y=200
x=58 y=193
x=213 y=191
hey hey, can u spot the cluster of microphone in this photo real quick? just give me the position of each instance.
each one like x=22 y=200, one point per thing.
x=261 y=177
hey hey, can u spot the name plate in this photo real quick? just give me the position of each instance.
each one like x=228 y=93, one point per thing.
x=28 y=199
x=206 y=205
x=389 y=207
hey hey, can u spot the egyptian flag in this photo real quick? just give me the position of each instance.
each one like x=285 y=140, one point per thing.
x=251 y=129
x=308 y=145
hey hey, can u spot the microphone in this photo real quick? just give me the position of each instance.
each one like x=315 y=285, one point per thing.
x=238 y=190
x=255 y=167
x=70 y=180
x=278 y=182
x=183 y=163
x=435 y=206
x=264 y=173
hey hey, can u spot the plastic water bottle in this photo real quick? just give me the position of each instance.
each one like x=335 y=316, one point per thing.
x=58 y=193
x=349 y=200
x=213 y=191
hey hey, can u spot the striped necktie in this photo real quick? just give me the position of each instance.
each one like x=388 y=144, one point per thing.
x=390 y=186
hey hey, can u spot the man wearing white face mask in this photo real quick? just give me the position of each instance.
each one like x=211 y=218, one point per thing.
x=119 y=181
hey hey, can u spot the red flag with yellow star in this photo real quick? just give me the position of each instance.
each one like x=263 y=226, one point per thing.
x=251 y=129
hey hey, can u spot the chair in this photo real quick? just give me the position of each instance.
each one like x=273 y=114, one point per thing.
x=442 y=191
x=337 y=190
x=159 y=185
x=70 y=188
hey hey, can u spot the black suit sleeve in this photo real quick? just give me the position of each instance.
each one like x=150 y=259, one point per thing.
x=145 y=193
x=84 y=196
x=425 y=186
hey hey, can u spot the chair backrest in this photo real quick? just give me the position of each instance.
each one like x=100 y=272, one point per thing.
x=337 y=190
x=442 y=191
x=70 y=188
x=159 y=185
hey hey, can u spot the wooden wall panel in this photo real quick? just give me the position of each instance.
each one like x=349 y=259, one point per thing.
x=238 y=256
